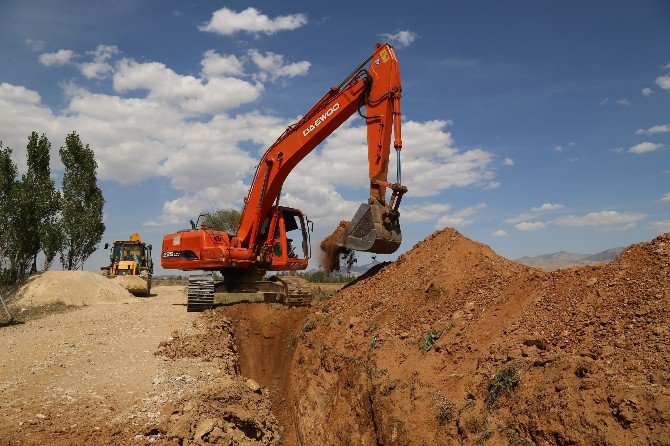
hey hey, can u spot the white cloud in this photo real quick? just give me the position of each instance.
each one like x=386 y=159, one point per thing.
x=609 y=220
x=536 y=212
x=401 y=39
x=182 y=128
x=530 y=225
x=522 y=217
x=460 y=218
x=663 y=82
x=547 y=207
x=666 y=197
x=215 y=65
x=624 y=102
x=647 y=91
x=35 y=44
x=58 y=58
x=499 y=233
x=508 y=162
x=661 y=225
x=425 y=211
x=618 y=149
x=99 y=67
x=665 y=128
x=227 y=22
x=272 y=66
x=645 y=147
x=188 y=93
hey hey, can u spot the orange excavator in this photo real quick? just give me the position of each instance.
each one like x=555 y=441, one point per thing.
x=264 y=238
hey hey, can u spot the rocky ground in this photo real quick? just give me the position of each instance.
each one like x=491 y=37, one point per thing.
x=128 y=373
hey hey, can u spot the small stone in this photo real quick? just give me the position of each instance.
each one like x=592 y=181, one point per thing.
x=404 y=335
x=608 y=350
x=41 y=416
x=514 y=354
x=204 y=427
x=592 y=281
x=252 y=385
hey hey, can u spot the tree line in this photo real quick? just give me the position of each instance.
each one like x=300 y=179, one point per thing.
x=36 y=217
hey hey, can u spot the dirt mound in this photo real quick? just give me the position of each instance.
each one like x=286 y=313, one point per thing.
x=210 y=338
x=233 y=411
x=71 y=288
x=455 y=344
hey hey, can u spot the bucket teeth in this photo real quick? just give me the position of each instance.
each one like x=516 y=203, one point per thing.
x=373 y=229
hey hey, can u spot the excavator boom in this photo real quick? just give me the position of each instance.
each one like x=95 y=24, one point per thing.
x=264 y=238
x=375 y=227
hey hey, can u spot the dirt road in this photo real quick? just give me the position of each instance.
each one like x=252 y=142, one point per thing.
x=83 y=370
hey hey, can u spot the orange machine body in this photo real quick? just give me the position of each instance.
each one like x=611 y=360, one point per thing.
x=261 y=241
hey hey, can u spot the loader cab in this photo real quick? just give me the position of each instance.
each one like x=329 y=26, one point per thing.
x=286 y=232
x=129 y=257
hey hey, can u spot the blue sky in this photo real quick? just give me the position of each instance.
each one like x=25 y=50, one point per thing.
x=530 y=126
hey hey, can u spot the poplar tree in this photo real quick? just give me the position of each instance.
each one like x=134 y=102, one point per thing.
x=41 y=202
x=7 y=186
x=82 y=204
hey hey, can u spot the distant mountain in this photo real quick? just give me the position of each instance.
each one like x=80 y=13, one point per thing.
x=606 y=256
x=360 y=269
x=562 y=259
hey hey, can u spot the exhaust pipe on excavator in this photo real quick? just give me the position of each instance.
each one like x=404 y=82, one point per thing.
x=375 y=227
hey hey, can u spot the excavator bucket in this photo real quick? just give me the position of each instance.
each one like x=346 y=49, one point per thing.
x=373 y=229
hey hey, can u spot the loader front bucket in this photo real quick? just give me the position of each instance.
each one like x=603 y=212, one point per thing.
x=373 y=229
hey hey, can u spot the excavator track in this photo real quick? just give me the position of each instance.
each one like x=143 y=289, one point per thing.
x=200 y=293
x=297 y=292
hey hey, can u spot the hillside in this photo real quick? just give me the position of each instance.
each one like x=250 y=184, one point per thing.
x=562 y=259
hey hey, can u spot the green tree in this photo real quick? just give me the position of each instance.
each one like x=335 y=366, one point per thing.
x=223 y=220
x=7 y=186
x=82 y=204
x=41 y=203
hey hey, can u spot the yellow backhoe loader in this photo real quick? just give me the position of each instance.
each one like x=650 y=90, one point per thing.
x=130 y=265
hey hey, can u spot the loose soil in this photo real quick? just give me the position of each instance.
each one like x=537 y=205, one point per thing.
x=450 y=344
x=332 y=253
x=455 y=344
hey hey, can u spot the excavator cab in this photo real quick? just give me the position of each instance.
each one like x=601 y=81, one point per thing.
x=287 y=233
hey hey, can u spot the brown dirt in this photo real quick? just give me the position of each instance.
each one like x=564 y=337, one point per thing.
x=450 y=344
x=113 y=374
x=590 y=347
x=330 y=251
x=265 y=335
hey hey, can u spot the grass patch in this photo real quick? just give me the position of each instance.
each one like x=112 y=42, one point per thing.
x=309 y=327
x=515 y=439
x=445 y=409
x=429 y=340
x=481 y=439
x=505 y=380
x=25 y=314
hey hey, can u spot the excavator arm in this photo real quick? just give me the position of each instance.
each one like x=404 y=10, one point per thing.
x=375 y=227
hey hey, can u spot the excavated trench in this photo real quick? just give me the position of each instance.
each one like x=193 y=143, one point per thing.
x=265 y=335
